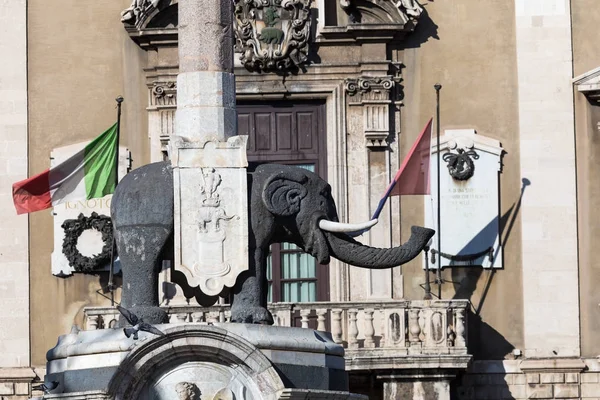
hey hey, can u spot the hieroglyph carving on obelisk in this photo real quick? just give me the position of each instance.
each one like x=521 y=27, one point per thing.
x=209 y=161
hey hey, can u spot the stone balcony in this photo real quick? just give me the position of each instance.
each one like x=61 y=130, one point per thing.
x=376 y=335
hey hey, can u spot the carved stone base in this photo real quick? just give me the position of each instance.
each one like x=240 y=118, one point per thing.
x=193 y=361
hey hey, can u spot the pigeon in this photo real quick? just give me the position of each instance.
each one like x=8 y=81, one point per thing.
x=46 y=387
x=137 y=324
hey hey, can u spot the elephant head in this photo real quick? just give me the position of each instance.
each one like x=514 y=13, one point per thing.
x=302 y=211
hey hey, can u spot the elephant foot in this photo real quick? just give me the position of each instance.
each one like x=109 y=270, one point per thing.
x=149 y=314
x=252 y=315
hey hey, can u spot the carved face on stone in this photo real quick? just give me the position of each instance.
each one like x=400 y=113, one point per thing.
x=187 y=391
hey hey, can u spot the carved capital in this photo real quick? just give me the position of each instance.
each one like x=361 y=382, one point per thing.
x=272 y=35
x=164 y=93
x=376 y=87
x=373 y=94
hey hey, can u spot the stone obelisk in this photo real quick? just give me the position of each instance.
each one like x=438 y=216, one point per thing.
x=209 y=161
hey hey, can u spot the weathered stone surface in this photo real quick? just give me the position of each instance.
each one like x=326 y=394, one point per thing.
x=538 y=391
x=555 y=377
x=562 y=391
x=211 y=113
x=206 y=36
x=6 y=388
x=590 y=377
x=142 y=214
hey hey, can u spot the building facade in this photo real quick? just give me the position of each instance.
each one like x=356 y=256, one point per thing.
x=346 y=100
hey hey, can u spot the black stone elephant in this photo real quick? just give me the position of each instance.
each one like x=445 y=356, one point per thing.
x=286 y=204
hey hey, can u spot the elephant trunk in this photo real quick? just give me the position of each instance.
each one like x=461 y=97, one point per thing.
x=346 y=249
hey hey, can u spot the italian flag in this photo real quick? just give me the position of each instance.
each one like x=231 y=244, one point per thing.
x=88 y=174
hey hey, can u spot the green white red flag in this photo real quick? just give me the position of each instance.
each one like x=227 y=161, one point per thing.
x=89 y=174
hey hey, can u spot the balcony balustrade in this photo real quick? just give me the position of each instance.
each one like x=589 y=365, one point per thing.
x=376 y=335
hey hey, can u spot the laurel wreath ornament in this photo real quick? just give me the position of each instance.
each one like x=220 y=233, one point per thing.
x=460 y=165
x=74 y=228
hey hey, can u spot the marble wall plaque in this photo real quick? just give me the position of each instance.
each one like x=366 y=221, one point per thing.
x=211 y=211
x=90 y=242
x=469 y=207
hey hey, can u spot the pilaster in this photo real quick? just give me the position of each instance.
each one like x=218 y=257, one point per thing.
x=547 y=160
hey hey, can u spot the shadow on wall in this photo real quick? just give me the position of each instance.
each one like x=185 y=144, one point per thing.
x=484 y=341
x=426 y=29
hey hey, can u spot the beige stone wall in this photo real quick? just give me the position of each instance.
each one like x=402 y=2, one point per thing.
x=475 y=61
x=563 y=379
x=14 y=279
x=585 y=17
x=80 y=59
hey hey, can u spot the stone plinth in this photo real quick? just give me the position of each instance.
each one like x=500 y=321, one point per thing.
x=233 y=361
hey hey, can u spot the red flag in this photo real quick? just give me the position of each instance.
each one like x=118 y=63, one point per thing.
x=413 y=175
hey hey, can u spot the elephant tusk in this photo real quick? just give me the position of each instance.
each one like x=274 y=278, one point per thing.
x=331 y=226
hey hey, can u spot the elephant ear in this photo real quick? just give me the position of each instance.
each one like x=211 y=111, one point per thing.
x=284 y=192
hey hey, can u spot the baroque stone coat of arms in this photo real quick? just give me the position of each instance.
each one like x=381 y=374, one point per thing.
x=272 y=35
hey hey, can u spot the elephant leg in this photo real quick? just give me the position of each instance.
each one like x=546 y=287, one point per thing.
x=250 y=302
x=140 y=250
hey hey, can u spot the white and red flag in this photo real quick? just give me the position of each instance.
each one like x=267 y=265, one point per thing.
x=88 y=174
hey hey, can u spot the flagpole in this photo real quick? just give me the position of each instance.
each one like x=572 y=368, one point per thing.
x=437 y=88
x=119 y=101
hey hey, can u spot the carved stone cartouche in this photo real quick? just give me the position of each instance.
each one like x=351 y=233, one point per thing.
x=272 y=35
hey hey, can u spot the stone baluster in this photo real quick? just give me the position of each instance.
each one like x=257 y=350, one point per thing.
x=222 y=315
x=352 y=330
x=425 y=325
x=109 y=321
x=212 y=317
x=227 y=315
x=369 y=329
x=414 y=330
x=459 y=323
x=384 y=322
x=181 y=318
x=92 y=323
x=304 y=314
x=197 y=316
x=321 y=316
x=336 y=325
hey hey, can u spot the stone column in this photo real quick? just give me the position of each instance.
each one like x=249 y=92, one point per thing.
x=206 y=84
x=211 y=216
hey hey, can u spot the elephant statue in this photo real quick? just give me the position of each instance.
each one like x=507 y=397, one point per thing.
x=286 y=204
